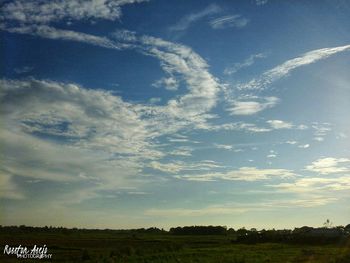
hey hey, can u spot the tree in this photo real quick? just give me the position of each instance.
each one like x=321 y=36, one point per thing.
x=327 y=224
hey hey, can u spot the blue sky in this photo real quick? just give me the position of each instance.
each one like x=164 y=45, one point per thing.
x=135 y=113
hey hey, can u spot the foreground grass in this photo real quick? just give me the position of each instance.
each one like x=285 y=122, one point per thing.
x=111 y=247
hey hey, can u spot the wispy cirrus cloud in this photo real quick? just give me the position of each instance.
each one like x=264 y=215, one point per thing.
x=223 y=146
x=186 y=21
x=272 y=75
x=237 y=21
x=49 y=124
x=179 y=166
x=272 y=154
x=250 y=105
x=169 y=83
x=44 y=12
x=310 y=201
x=315 y=185
x=211 y=14
x=261 y=2
x=321 y=130
x=181 y=151
x=291 y=142
x=239 y=126
x=175 y=59
x=203 y=87
x=246 y=63
x=85 y=119
x=279 y=124
x=23 y=70
x=242 y=174
x=49 y=32
x=325 y=186
x=66 y=120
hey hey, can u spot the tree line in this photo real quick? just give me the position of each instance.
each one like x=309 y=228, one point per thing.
x=321 y=235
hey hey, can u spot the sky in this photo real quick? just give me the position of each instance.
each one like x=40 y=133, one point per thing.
x=135 y=113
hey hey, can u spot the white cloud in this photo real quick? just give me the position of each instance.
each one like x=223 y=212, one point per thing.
x=251 y=105
x=304 y=146
x=246 y=63
x=271 y=156
x=278 y=124
x=341 y=135
x=285 y=68
x=187 y=110
x=44 y=12
x=329 y=165
x=302 y=127
x=89 y=117
x=315 y=185
x=155 y=100
x=8 y=189
x=186 y=21
x=203 y=87
x=321 y=130
x=168 y=83
x=181 y=151
x=49 y=124
x=319 y=139
x=236 y=21
x=223 y=146
x=54 y=33
x=310 y=201
x=251 y=127
x=178 y=140
x=166 y=167
x=176 y=59
x=23 y=70
x=238 y=126
x=176 y=167
x=261 y=2
x=242 y=174
x=291 y=142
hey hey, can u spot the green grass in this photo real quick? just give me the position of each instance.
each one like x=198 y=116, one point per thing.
x=142 y=248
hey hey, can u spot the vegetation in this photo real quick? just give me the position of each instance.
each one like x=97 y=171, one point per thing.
x=184 y=244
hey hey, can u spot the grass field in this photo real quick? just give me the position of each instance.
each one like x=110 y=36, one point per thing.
x=104 y=246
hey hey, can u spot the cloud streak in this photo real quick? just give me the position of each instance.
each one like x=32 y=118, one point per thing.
x=246 y=63
x=175 y=59
x=315 y=185
x=272 y=75
x=250 y=105
x=229 y=21
x=45 y=12
x=176 y=167
x=278 y=124
x=67 y=35
x=186 y=21
x=242 y=174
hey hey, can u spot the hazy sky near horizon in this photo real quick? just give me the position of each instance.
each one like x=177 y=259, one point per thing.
x=136 y=113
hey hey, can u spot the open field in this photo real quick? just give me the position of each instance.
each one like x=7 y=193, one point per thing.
x=114 y=246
